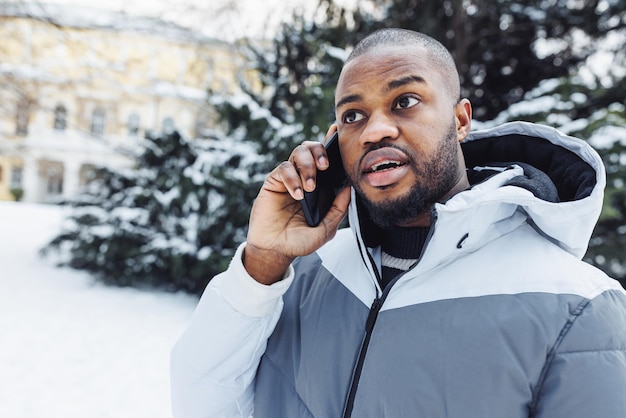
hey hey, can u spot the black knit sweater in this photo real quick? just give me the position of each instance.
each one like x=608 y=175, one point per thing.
x=401 y=249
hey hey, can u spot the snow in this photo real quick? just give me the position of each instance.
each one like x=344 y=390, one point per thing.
x=220 y=19
x=606 y=136
x=337 y=53
x=88 y=16
x=256 y=111
x=72 y=347
x=167 y=89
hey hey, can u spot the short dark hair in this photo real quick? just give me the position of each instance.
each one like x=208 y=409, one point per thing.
x=403 y=37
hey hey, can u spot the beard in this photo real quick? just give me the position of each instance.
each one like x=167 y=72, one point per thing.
x=434 y=178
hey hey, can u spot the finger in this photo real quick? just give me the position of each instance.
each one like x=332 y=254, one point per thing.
x=319 y=154
x=283 y=178
x=305 y=158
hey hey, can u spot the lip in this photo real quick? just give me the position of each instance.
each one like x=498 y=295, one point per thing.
x=384 y=167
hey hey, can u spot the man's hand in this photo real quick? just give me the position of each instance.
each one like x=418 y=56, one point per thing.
x=278 y=232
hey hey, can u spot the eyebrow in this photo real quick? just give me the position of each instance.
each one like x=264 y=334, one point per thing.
x=348 y=99
x=394 y=84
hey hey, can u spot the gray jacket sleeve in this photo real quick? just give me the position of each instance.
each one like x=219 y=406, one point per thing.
x=585 y=375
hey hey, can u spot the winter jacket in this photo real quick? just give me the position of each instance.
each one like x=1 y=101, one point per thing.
x=498 y=318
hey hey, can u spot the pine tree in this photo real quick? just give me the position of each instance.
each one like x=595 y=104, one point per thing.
x=298 y=70
x=171 y=223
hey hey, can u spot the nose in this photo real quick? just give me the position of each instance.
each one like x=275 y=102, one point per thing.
x=380 y=127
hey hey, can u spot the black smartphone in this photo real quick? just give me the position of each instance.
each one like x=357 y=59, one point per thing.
x=327 y=184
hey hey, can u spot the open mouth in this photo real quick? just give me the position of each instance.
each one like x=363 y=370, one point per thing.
x=384 y=165
x=382 y=159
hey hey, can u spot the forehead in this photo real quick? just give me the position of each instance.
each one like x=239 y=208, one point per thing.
x=376 y=69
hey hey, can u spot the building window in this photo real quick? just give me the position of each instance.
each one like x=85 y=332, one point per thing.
x=134 y=121
x=87 y=174
x=60 y=118
x=98 y=121
x=54 y=181
x=21 y=118
x=16 y=177
x=168 y=126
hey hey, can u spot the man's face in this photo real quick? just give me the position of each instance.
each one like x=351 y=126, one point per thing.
x=399 y=133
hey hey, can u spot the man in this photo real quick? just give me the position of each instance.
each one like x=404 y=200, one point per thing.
x=457 y=291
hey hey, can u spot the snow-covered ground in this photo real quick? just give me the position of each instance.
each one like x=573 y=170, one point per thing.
x=72 y=348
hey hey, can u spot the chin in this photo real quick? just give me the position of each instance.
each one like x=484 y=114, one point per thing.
x=381 y=194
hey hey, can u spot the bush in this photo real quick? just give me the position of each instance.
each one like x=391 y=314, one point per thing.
x=172 y=223
x=17 y=193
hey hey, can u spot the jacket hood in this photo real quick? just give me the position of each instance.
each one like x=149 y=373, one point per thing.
x=520 y=172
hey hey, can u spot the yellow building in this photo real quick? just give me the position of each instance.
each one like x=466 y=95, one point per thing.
x=79 y=87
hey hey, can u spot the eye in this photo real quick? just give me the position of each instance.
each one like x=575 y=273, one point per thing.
x=406 y=102
x=352 y=116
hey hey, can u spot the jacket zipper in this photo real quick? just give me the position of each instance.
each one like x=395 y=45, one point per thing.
x=371 y=321
x=369 y=327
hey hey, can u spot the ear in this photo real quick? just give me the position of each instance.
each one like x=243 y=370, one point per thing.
x=463 y=116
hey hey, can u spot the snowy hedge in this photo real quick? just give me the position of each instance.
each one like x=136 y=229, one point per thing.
x=171 y=223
